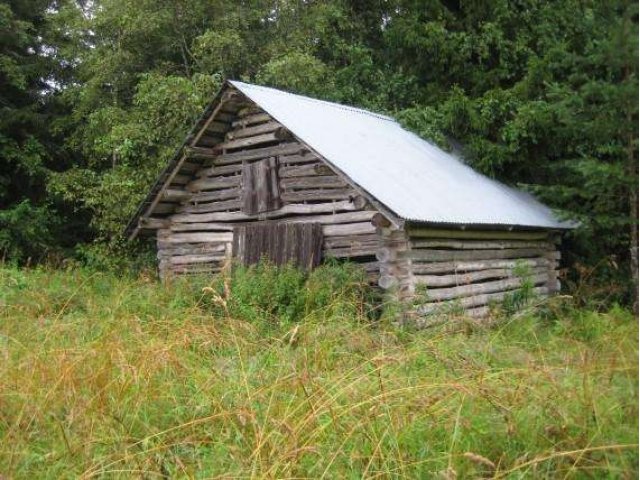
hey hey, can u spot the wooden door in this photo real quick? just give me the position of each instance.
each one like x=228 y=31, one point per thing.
x=279 y=243
x=260 y=188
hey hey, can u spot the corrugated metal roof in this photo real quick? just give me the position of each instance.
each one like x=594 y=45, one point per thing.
x=413 y=178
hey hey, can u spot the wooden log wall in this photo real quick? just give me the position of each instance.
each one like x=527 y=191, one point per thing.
x=449 y=269
x=197 y=237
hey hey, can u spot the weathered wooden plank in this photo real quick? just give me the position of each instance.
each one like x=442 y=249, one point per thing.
x=291 y=209
x=193 y=259
x=326 y=181
x=348 y=240
x=268 y=127
x=361 y=250
x=348 y=229
x=219 y=170
x=201 y=153
x=299 y=159
x=215 y=183
x=277 y=135
x=305 y=170
x=439 y=294
x=476 y=234
x=219 y=206
x=468 y=266
x=456 y=255
x=478 y=244
x=208 y=226
x=300 y=244
x=196 y=237
x=191 y=249
x=466 y=278
x=317 y=195
x=260 y=153
x=471 y=302
x=349 y=217
x=251 y=120
x=223 y=194
x=175 y=195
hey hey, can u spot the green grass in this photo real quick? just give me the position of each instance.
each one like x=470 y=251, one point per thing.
x=117 y=377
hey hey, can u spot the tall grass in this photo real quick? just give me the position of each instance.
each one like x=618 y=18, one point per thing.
x=103 y=376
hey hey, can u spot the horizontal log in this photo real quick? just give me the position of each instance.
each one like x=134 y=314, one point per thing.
x=479 y=244
x=306 y=157
x=328 y=181
x=192 y=259
x=477 y=234
x=219 y=170
x=246 y=109
x=347 y=240
x=193 y=227
x=188 y=249
x=291 y=209
x=259 y=153
x=361 y=250
x=349 y=217
x=241 y=132
x=175 y=195
x=251 y=120
x=468 y=266
x=305 y=170
x=215 y=183
x=222 y=194
x=348 y=229
x=445 y=255
x=276 y=136
x=201 y=153
x=440 y=294
x=219 y=206
x=196 y=237
x=468 y=277
x=317 y=195
x=471 y=302
x=198 y=269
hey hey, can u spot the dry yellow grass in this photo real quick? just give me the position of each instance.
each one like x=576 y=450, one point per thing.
x=116 y=377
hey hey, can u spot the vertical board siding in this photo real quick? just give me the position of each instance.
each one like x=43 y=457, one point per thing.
x=281 y=243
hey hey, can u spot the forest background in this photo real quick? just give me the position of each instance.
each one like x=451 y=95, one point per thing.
x=96 y=95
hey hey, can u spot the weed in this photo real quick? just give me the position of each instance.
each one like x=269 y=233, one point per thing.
x=117 y=376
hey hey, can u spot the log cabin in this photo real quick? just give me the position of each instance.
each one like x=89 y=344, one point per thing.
x=266 y=173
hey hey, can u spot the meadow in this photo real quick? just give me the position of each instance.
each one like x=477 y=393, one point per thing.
x=275 y=375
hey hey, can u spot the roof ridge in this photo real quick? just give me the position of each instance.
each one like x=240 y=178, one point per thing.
x=336 y=105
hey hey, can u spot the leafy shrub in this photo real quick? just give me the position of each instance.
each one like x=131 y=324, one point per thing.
x=286 y=294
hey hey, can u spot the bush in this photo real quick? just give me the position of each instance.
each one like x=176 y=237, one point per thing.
x=285 y=294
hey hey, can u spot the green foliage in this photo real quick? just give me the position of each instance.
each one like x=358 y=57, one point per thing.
x=112 y=375
x=25 y=232
x=267 y=293
x=97 y=95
